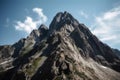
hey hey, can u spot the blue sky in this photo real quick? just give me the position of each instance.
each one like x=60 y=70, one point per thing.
x=19 y=17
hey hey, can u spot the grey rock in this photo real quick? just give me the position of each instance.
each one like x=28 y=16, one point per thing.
x=65 y=51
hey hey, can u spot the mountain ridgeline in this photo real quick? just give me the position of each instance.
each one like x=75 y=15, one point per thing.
x=65 y=51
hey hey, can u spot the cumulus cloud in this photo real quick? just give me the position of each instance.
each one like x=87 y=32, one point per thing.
x=29 y=23
x=83 y=14
x=107 y=27
x=39 y=11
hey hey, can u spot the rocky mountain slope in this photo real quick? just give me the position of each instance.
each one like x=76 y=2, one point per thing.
x=65 y=51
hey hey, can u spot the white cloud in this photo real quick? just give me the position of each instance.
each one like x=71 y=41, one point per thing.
x=107 y=37
x=29 y=24
x=39 y=11
x=83 y=14
x=107 y=27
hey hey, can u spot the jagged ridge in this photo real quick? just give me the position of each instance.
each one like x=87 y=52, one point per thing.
x=67 y=50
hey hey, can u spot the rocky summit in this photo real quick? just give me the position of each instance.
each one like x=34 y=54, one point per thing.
x=65 y=51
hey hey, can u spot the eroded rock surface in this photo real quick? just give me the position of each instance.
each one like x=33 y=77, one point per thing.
x=65 y=51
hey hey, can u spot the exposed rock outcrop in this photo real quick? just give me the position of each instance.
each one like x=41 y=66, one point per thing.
x=65 y=51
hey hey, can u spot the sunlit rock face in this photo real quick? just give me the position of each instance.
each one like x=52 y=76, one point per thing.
x=65 y=51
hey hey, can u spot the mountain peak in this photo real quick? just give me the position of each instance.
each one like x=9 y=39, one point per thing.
x=62 y=16
x=42 y=26
x=62 y=19
x=65 y=51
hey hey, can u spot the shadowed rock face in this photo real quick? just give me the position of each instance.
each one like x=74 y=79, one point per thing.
x=6 y=52
x=117 y=52
x=65 y=51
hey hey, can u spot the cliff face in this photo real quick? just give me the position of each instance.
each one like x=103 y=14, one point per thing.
x=65 y=51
